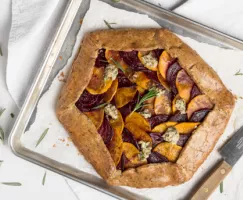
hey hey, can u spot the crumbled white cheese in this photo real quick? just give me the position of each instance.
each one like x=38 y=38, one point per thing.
x=171 y=135
x=149 y=60
x=111 y=72
x=146 y=113
x=111 y=111
x=145 y=150
x=159 y=91
x=180 y=105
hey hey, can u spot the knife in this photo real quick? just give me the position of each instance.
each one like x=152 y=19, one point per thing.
x=231 y=152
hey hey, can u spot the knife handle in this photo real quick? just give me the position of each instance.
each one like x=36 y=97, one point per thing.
x=212 y=182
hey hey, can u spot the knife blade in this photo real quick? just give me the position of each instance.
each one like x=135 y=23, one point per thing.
x=231 y=152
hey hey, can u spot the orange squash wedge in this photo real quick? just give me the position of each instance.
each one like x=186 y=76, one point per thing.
x=124 y=95
x=111 y=91
x=139 y=120
x=164 y=61
x=96 y=117
x=162 y=127
x=186 y=127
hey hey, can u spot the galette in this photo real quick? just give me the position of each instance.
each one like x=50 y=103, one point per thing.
x=143 y=107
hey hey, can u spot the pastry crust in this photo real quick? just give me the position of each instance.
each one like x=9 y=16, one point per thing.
x=89 y=142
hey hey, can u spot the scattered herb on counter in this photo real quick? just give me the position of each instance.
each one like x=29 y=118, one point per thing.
x=42 y=137
x=221 y=187
x=1 y=135
x=2 y=111
x=151 y=93
x=1 y=53
x=100 y=106
x=118 y=65
x=108 y=24
x=12 y=115
x=116 y=1
x=11 y=183
x=1 y=162
x=238 y=73
x=44 y=179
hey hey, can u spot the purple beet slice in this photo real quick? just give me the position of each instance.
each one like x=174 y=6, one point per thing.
x=158 y=52
x=178 y=117
x=171 y=74
x=195 y=91
x=156 y=138
x=123 y=81
x=156 y=157
x=132 y=60
x=128 y=137
x=106 y=131
x=87 y=101
x=183 y=139
x=128 y=108
x=157 y=119
x=101 y=59
x=199 y=115
x=122 y=163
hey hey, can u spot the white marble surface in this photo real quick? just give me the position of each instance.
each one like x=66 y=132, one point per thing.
x=30 y=175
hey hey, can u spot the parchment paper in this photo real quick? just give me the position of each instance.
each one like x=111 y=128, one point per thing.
x=57 y=144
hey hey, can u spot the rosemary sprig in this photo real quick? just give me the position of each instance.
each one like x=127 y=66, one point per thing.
x=11 y=183
x=151 y=93
x=100 y=106
x=116 y=1
x=1 y=52
x=118 y=65
x=12 y=115
x=238 y=73
x=42 y=137
x=221 y=187
x=109 y=24
x=2 y=111
x=1 y=162
x=1 y=135
x=44 y=179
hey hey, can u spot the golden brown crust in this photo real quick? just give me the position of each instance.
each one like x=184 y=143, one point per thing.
x=89 y=142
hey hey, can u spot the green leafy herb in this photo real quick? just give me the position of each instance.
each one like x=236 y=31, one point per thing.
x=1 y=53
x=44 y=179
x=221 y=187
x=100 y=106
x=12 y=115
x=116 y=1
x=151 y=93
x=2 y=111
x=11 y=183
x=239 y=73
x=42 y=137
x=109 y=24
x=1 y=162
x=118 y=65
x=1 y=135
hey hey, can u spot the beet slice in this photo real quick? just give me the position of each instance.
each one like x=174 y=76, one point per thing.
x=178 y=117
x=157 y=52
x=121 y=165
x=183 y=139
x=171 y=74
x=106 y=131
x=128 y=137
x=123 y=81
x=157 y=119
x=156 y=138
x=199 y=115
x=101 y=59
x=156 y=157
x=87 y=101
x=195 y=91
x=128 y=108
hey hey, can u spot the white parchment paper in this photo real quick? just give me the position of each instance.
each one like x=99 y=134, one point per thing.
x=57 y=144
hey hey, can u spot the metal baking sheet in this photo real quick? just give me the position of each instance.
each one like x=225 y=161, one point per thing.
x=62 y=44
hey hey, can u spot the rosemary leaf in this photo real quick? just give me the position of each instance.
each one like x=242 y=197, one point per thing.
x=2 y=111
x=11 y=183
x=118 y=65
x=221 y=187
x=44 y=179
x=12 y=115
x=1 y=52
x=100 y=106
x=42 y=137
x=238 y=73
x=116 y=1
x=108 y=24
x=1 y=135
x=1 y=162
x=151 y=93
